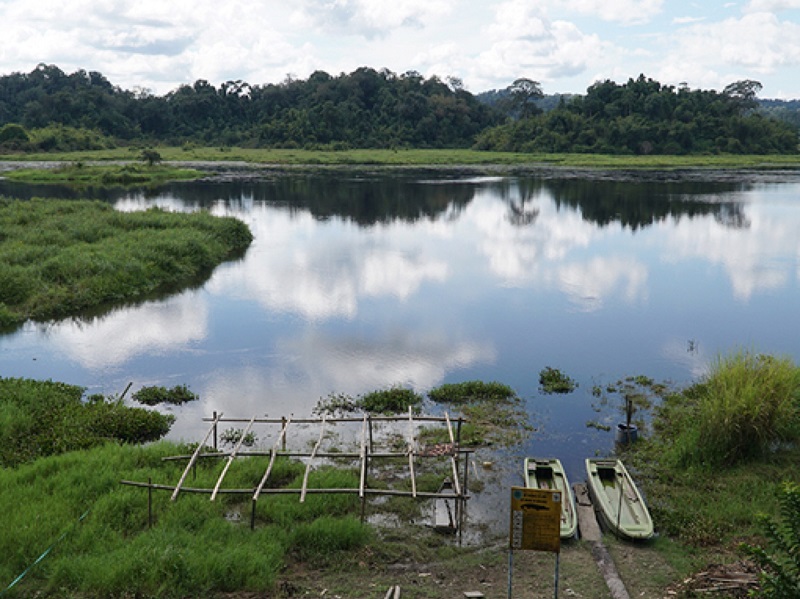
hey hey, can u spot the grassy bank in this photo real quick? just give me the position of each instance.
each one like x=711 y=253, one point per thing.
x=721 y=450
x=79 y=174
x=58 y=258
x=422 y=158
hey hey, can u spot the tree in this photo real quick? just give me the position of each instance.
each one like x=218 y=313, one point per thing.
x=150 y=156
x=523 y=93
x=743 y=94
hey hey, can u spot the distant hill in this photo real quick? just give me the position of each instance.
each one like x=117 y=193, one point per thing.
x=784 y=110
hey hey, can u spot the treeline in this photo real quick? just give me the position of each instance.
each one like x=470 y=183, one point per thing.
x=643 y=116
x=366 y=108
x=48 y=109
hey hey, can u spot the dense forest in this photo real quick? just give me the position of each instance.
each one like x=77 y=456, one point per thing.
x=50 y=110
x=643 y=116
x=366 y=108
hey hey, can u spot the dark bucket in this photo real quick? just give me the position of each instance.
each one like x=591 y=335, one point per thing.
x=626 y=434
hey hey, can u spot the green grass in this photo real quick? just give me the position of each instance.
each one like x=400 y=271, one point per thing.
x=192 y=550
x=44 y=418
x=60 y=257
x=79 y=174
x=746 y=406
x=422 y=158
x=721 y=449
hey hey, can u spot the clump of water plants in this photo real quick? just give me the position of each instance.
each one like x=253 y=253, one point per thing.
x=234 y=436
x=493 y=412
x=632 y=396
x=471 y=391
x=394 y=400
x=552 y=380
x=154 y=395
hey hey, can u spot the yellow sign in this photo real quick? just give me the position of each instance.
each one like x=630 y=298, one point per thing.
x=535 y=519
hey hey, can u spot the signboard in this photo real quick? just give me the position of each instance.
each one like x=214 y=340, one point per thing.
x=535 y=519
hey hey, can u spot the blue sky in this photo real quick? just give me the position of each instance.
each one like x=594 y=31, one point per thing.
x=566 y=45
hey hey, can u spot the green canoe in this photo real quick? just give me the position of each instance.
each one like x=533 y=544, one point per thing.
x=548 y=473
x=616 y=498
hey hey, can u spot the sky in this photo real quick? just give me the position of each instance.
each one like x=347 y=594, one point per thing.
x=565 y=45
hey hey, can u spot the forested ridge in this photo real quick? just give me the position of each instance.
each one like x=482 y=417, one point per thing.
x=50 y=110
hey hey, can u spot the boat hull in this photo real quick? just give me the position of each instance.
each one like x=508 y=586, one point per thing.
x=548 y=473
x=617 y=500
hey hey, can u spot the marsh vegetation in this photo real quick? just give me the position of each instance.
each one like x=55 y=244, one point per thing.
x=59 y=258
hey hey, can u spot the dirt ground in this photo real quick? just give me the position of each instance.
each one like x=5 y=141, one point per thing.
x=473 y=572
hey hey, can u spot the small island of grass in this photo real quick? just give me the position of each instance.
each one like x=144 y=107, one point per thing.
x=59 y=258
x=81 y=174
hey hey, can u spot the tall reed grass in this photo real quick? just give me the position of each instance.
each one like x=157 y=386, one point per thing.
x=745 y=407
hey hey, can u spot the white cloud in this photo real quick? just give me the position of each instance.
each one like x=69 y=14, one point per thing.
x=566 y=44
x=771 y=5
x=527 y=44
x=687 y=20
x=623 y=11
x=370 y=18
x=754 y=45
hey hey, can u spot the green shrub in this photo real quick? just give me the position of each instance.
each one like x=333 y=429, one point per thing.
x=42 y=418
x=780 y=560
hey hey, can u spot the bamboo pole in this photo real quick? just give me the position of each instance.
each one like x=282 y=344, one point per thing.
x=231 y=457
x=273 y=455
x=286 y=491
x=311 y=457
x=453 y=464
x=194 y=457
x=411 y=453
x=363 y=479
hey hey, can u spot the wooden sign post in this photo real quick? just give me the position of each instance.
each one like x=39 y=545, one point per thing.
x=535 y=525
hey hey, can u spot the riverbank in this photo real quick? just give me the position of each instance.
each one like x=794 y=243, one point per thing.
x=420 y=158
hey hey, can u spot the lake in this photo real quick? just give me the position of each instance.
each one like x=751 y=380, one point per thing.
x=358 y=281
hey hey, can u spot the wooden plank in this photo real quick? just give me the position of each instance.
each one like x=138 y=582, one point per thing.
x=587 y=519
x=310 y=458
x=273 y=455
x=231 y=457
x=194 y=458
x=590 y=531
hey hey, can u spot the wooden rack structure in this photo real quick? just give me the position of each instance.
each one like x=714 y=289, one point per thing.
x=457 y=457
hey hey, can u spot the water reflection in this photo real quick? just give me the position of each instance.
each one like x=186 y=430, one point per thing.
x=364 y=281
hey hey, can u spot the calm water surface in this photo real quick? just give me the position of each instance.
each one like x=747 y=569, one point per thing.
x=356 y=283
